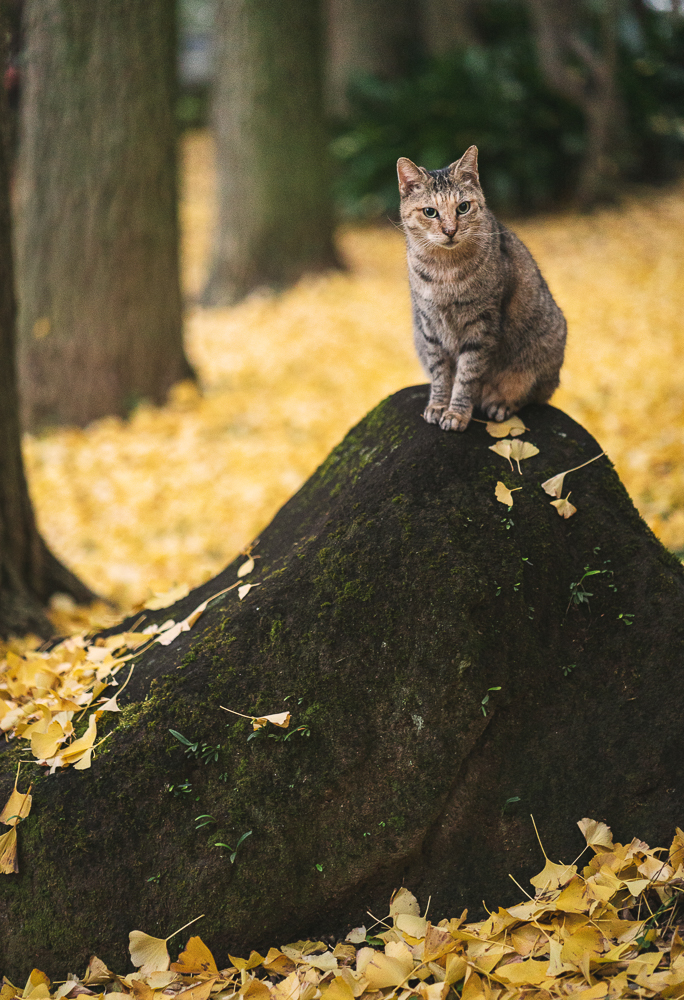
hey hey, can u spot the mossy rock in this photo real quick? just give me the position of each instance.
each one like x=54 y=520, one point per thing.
x=424 y=636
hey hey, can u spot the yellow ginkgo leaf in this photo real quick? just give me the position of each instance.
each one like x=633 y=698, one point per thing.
x=504 y=495
x=246 y=568
x=564 y=507
x=78 y=747
x=384 y=970
x=279 y=964
x=597 y=835
x=503 y=448
x=245 y=589
x=247 y=963
x=521 y=450
x=531 y=972
x=339 y=989
x=514 y=427
x=554 y=486
x=44 y=745
x=8 y=852
x=195 y=959
x=150 y=954
x=18 y=806
x=553 y=876
x=413 y=925
x=403 y=901
x=282 y=720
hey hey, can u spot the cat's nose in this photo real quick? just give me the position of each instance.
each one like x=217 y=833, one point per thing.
x=449 y=231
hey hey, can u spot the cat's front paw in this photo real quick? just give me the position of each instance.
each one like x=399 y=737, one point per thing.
x=433 y=413
x=498 y=412
x=452 y=420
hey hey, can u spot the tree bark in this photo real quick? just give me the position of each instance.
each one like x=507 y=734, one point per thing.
x=29 y=572
x=381 y=38
x=587 y=77
x=274 y=199
x=426 y=637
x=97 y=234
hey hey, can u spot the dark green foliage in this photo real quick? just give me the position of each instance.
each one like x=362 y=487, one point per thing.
x=531 y=140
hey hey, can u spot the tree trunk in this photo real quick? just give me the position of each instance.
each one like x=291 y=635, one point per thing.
x=587 y=77
x=274 y=198
x=29 y=573
x=97 y=234
x=426 y=637
x=380 y=38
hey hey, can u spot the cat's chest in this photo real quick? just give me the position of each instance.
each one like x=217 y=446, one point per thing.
x=450 y=306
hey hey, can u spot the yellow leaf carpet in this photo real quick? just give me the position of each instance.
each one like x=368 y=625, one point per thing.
x=170 y=496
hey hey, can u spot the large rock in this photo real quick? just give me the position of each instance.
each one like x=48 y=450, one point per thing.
x=396 y=593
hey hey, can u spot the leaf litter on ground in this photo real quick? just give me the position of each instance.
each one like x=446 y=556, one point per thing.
x=610 y=931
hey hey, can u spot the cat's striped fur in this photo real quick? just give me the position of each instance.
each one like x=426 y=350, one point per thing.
x=486 y=327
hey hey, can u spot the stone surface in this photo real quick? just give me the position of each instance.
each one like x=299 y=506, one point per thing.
x=396 y=592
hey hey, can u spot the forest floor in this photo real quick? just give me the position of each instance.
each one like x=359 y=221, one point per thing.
x=171 y=495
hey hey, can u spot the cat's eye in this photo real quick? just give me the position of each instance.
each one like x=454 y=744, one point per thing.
x=431 y=213
x=463 y=207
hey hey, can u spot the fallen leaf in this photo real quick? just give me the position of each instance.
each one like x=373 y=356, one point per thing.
x=531 y=972
x=8 y=852
x=514 y=426
x=521 y=450
x=83 y=744
x=282 y=720
x=339 y=989
x=503 y=448
x=44 y=745
x=554 y=486
x=597 y=835
x=17 y=807
x=384 y=970
x=245 y=589
x=504 y=495
x=403 y=901
x=246 y=568
x=195 y=958
x=97 y=973
x=247 y=963
x=564 y=507
x=357 y=935
x=277 y=963
x=412 y=924
x=553 y=876
x=148 y=953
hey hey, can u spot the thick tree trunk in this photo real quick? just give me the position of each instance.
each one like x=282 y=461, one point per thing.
x=274 y=199
x=29 y=573
x=380 y=38
x=426 y=637
x=97 y=234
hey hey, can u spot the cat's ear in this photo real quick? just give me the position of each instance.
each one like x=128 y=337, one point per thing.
x=466 y=167
x=410 y=176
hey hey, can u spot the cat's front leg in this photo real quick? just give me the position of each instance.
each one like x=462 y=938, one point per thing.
x=441 y=368
x=469 y=371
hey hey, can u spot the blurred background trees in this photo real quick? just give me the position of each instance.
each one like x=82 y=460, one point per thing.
x=567 y=102
x=275 y=213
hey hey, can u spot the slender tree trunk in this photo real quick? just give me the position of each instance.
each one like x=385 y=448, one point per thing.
x=380 y=38
x=585 y=76
x=29 y=572
x=97 y=235
x=275 y=210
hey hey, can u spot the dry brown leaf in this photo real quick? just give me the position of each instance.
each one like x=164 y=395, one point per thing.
x=504 y=495
x=281 y=719
x=564 y=507
x=97 y=973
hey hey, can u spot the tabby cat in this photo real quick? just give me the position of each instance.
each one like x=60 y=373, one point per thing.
x=486 y=327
